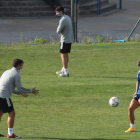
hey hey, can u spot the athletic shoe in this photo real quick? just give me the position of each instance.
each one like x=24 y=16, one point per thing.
x=13 y=136
x=63 y=75
x=131 y=129
x=59 y=72
x=1 y=135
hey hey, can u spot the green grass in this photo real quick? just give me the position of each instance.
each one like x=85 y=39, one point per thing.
x=74 y=108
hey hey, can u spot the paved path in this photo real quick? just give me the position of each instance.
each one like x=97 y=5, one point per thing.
x=117 y=25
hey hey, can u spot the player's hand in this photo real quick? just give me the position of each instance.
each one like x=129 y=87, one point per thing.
x=134 y=94
x=35 y=91
x=24 y=94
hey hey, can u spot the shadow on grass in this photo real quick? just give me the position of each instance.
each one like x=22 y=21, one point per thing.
x=39 y=138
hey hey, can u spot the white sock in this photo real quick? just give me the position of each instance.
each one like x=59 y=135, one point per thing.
x=132 y=125
x=66 y=71
x=62 y=69
x=10 y=131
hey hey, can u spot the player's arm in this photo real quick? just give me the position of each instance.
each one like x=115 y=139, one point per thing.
x=16 y=92
x=137 y=86
x=24 y=94
x=137 y=83
x=21 y=89
x=61 y=26
x=19 y=85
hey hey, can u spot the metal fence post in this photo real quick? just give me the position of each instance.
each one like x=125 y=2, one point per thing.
x=76 y=21
x=120 y=4
x=133 y=29
x=72 y=17
x=98 y=7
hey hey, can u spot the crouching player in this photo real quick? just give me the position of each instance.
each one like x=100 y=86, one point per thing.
x=9 y=80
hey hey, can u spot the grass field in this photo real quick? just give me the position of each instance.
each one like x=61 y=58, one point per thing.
x=74 y=108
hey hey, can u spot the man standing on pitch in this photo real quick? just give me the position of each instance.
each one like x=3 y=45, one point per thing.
x=9 y=80
x=66 y=30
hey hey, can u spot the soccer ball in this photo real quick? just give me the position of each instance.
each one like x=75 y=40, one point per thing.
x=114 y=101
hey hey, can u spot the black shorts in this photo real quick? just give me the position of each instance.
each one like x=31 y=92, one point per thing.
x=6 y=105
x=136 y=97
x=65 y=47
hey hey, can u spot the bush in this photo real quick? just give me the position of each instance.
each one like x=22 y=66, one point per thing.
x=40 y=41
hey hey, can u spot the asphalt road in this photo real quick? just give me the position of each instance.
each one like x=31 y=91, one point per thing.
x=117 y=25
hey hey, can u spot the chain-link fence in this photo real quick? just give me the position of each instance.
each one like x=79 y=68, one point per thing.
x=23 y=20
x=112 y=25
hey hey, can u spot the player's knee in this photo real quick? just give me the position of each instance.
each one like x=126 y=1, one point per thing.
x=12 y=113
x=131 y=109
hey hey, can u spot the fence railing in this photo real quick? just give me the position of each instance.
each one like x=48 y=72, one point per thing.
x=99 y=6
x=74 y=14
x=116 y=25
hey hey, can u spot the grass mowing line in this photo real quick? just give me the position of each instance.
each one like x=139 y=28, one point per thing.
x=81 y=50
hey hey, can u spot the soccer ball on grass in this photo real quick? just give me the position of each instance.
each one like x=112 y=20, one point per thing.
x=114 y=101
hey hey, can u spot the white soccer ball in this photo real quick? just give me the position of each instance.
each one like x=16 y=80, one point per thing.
x=114 y=101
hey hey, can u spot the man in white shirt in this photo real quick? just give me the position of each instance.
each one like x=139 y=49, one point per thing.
x=10 y=80
x=65 y=29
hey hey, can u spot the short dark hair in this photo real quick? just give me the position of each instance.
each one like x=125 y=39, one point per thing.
x=138 y=63
x=59 y=8
x=17 y=62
